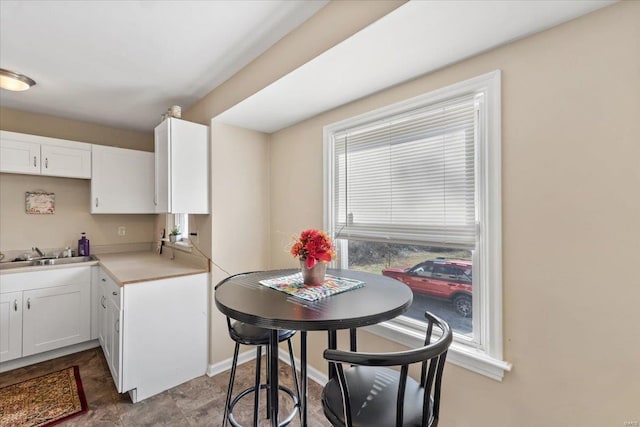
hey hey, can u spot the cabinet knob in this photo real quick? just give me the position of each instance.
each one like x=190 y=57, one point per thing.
x=96 y=202
x=114 y=293
x=102 y=302
x=117 y=326
x=28 y=303
x=46 y=162
x=15 y=305
x=103 y=279
x=34 y=161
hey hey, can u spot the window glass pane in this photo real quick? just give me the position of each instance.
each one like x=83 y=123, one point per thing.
x=440 y=278
x=182 y=222
x=184 y=226
x=410 y=177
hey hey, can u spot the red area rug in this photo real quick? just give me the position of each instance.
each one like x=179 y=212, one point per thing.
x=43 y=401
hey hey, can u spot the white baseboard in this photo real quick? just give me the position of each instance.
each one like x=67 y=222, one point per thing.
x=312 y=373
x=47 y=355
x=224 y=365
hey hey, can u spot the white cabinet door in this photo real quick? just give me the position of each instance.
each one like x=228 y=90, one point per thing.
x=110 y=324
x=113 y=337
x=10 y=326
x=182 y=167
x=55 y=317
x=102 y=319
x=70 y=162
x=122 y=181
x=162 y=197
x=165 y=330
x=19 y=156
x=40 y=155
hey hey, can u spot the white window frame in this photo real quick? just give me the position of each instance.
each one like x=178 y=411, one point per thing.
x=182 y=221
x=484 y=354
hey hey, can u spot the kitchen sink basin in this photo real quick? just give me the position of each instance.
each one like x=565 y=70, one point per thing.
x=46 y=261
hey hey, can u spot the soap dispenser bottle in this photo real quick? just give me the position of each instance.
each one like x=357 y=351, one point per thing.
x=83 y=245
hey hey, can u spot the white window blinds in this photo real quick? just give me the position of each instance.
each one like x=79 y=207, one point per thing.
x=410 y=177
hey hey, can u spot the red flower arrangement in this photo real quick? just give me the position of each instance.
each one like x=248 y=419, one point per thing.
x=313 y=246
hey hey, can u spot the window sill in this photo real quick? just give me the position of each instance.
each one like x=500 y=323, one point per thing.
x=459 y=354
x=181 y=246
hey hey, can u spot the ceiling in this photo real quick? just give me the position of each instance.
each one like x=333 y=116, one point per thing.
x=122 y=64
x=414 y=39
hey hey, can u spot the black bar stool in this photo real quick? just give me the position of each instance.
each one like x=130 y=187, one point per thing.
x=243 y=333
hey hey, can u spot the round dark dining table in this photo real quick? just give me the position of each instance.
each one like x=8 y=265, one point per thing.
x=242 y=297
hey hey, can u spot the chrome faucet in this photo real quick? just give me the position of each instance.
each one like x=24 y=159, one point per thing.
x=35 y=248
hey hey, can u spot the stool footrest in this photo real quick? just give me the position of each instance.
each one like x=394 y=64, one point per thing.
x=249 y=390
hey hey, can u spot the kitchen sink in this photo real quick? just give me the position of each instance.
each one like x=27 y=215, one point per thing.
x=44 y=261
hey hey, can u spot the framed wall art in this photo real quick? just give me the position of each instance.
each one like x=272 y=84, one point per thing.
x=40 y=203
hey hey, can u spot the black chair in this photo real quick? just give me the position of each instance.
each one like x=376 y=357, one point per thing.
x=243 y=333
x=370 y=393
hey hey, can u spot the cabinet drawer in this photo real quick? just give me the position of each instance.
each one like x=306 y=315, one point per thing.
x=111 y=290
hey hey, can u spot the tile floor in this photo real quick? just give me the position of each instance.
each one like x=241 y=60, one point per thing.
x=199 y=402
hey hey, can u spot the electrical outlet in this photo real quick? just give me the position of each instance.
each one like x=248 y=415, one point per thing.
x=122 y=230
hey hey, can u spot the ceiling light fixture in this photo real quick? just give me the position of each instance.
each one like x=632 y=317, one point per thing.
x=14 y=81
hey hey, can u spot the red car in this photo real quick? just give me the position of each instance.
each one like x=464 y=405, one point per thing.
x=443 y=278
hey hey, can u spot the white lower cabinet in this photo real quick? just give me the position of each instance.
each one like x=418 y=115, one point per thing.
x=44 y=310
x=109 y=321
x=10 y=325
x=55 y=317
x=154 y=333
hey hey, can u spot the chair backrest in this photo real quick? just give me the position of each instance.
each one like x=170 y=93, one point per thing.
x=432 y=356
x=223 y=281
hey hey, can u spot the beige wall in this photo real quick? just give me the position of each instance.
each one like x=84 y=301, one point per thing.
x=239 y=213
x=19 y=231
x=55 y=127
x=236 y=176
x=329 y=26
x=571 y=222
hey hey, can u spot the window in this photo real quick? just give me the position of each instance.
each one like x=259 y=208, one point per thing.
x=181 y=221
x=412 y=191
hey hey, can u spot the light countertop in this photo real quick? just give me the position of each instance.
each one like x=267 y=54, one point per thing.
x=132 y=267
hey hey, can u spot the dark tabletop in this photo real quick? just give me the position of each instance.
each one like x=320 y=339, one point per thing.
x=381 y=298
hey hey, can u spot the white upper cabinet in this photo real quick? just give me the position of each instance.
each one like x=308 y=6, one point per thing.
x=19 y=156
x=40 y=155
x=181 y=167
x=122 y=182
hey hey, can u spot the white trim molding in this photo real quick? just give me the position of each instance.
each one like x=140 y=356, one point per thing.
x=47 y=355
x=459 y=354
x=482 y=352
x=225 y=365
x=247 y=356
x=312 y=373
